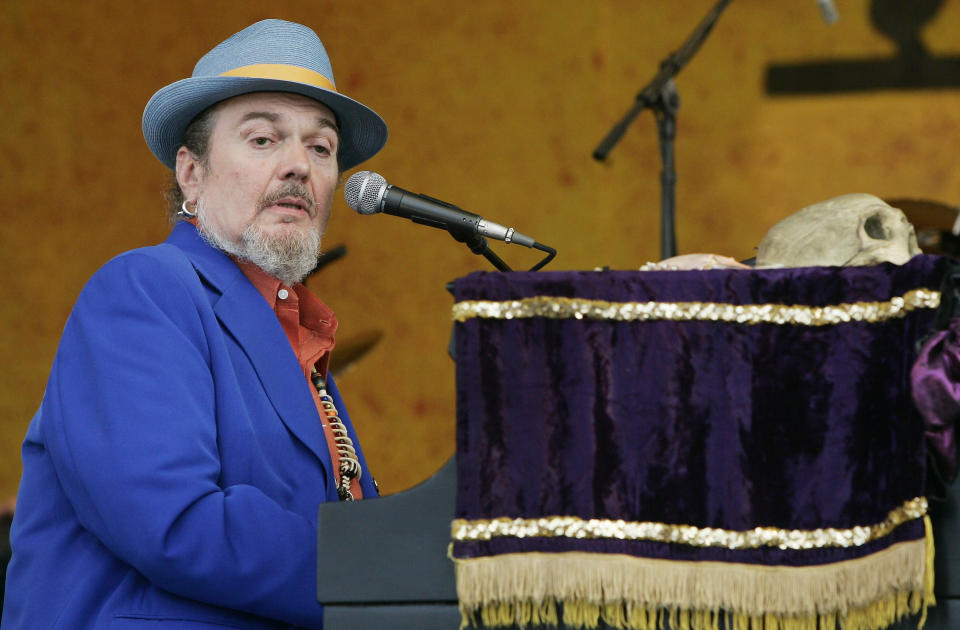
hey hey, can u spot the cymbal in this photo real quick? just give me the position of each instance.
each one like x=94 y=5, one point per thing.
x=935 y=223
x=352 y=349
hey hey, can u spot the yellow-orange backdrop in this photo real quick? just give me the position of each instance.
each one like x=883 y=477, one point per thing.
x=495 y=106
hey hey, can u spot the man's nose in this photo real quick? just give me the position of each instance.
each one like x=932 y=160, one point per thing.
x=296 y=162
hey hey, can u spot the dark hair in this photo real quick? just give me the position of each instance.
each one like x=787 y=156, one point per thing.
x=196 y=138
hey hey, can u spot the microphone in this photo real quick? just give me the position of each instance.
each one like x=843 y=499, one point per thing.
x=369 y=193
x=828 y=10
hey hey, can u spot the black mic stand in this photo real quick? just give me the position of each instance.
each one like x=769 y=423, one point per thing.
x=467 y=233
x=661 y=96
x=478 y=245
x=464 y=233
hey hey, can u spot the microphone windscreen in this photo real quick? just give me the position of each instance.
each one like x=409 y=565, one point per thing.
x=364 y=190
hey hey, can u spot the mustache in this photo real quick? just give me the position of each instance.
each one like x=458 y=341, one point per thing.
x=290 y=189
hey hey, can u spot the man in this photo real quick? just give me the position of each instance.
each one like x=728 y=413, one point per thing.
x=173 y=471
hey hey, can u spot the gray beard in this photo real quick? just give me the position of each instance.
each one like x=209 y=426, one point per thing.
x=288 y=257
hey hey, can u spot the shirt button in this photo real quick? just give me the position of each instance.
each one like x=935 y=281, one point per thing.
x=282 y=294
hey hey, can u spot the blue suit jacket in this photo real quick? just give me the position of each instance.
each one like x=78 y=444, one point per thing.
x=172 y=475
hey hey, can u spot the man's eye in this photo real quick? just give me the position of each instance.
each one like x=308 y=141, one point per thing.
x=261 y=141
x=322 y=150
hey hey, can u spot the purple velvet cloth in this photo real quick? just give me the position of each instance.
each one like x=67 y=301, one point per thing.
x=700 y=423
x=936 y=393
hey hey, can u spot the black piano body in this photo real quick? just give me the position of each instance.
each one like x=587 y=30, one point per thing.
x=388 y=559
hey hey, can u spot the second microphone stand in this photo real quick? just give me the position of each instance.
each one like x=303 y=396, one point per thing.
x=660 y=95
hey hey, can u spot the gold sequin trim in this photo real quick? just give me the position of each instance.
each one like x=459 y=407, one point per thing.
x=592 y=529
x=799 y=315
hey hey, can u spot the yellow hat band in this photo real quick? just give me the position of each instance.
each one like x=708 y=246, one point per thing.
x=282 y=72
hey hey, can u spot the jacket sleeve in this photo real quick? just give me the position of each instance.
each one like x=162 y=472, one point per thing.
x=130 y=424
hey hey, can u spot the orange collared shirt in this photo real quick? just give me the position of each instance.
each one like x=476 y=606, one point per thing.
x=309 y=323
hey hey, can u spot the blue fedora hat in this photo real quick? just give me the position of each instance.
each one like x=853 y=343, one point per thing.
x=269 y=56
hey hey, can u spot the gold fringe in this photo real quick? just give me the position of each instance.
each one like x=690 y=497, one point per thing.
x=876 y=616
x=633 y=593
x=929 y=599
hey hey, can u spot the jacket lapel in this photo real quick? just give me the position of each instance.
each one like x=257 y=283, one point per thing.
x=243 y=311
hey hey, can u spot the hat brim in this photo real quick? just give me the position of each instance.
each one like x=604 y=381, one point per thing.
x=168 y=113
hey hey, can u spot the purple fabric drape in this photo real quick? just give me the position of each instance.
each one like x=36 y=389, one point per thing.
x=936 y=392
x=702 y=423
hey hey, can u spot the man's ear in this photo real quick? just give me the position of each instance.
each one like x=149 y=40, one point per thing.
x=189 y=174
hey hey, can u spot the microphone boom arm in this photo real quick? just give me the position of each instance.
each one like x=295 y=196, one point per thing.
x=660 y=95
x=461 y=225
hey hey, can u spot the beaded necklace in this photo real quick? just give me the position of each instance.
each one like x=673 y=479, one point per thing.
x=349 y=463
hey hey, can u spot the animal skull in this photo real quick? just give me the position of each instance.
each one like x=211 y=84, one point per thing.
x=854 y=229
